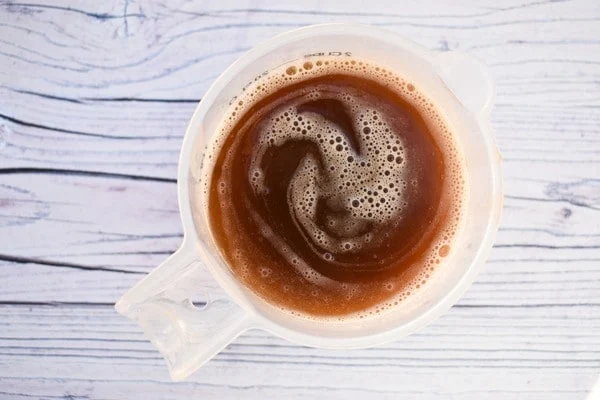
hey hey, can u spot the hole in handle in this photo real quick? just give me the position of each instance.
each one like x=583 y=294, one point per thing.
x=187 y=337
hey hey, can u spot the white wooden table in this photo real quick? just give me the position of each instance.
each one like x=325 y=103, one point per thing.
x=94 y=100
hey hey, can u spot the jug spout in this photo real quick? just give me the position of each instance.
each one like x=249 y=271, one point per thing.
x=469 y=79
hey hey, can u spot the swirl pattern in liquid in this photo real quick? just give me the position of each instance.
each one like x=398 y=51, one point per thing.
x=335 y=193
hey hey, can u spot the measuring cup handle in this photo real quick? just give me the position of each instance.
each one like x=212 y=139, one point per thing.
x=186 y=336
x=469 y=79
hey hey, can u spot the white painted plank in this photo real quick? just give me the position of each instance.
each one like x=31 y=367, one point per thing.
x=135 y=224
x=492 y=352
x=76 y=218
x=143 y=138
x=181 y=47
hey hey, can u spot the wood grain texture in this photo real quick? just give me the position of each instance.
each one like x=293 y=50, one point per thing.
x=94 y=101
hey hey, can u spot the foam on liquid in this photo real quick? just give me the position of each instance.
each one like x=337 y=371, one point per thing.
x=364 y=178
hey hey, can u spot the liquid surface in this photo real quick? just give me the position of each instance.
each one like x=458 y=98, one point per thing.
x=335 y=193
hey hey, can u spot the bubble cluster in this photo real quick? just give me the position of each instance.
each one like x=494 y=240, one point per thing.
x=363 y=178
x=362 y=175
